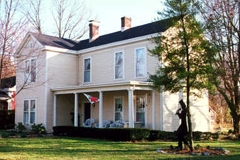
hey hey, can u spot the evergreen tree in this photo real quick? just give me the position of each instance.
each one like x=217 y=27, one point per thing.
x=185 y=55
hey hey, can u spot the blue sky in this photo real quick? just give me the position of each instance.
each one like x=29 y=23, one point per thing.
x=109 y=12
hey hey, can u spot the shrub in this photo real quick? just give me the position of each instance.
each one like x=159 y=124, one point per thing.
x=162 y=135
x=20 y=127
x=5 y=135
x=116 y=134
x=38 y=128
x=230 y=131
x=215 y=136
x=23 y=135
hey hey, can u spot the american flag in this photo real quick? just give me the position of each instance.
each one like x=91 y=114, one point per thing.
x=91 y=99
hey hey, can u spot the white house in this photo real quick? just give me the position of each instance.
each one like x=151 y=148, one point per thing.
x=112 y=67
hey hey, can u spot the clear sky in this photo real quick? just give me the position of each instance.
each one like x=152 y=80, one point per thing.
x=109 y=12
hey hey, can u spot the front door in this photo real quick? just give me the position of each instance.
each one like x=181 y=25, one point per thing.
x=87 y=111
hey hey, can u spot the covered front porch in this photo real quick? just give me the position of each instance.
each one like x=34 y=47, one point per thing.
x=132 y=102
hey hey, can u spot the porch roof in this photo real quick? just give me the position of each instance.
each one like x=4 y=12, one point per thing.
x=127 y=85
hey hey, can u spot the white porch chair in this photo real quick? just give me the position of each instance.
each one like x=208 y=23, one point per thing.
x=119 y=123
x=106 y=124
x=88 y=123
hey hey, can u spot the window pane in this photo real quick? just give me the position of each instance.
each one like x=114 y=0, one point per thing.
x=87 y=70
x=32 y=117
x=118 y=104
x=33 y=70
x=141 y=118
x=118 y=116
x=86 y=76
x=118 y=72
x=27 y=66
x=118 y=65
x=26 y=108
x=140 y=62
x=33 y=105
x=119 y=58
x=25 y=118
x=87 y=64
x=141 y=104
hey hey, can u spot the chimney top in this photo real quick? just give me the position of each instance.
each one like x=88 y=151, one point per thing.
x=125 y=23
x=93 y=30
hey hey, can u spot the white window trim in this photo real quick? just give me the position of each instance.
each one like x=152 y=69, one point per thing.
x=90 y=69
x=30 y=64
x=123 y=77
x=114 y=107
x=145 y=116
x=29 y=103
x=135 y=62
x=83 y=111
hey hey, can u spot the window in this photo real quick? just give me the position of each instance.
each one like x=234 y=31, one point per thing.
x=30 y=70
x=29 y=111
x=118 y=109
x=140 y=110
x=87 y=70
x=118 y=65
x=140 y=62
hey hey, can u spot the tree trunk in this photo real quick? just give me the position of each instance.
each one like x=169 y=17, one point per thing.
x=236 y=124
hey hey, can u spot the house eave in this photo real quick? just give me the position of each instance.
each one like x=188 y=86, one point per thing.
x=61 y=50
x=135 y=85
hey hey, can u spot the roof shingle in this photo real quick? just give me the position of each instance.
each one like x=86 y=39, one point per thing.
x=143 y=30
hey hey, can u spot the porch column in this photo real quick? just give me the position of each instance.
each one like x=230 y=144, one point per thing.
x=75 y=109
x=130 y=108
x=55 y=110
x=100 y=109
x=153 y=110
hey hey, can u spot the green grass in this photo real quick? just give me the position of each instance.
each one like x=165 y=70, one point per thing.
x=79 y=148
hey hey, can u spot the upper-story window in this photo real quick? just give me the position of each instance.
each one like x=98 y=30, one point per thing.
x=140 y=62
x=118 y=65
x=30 y=74
x=87 y=69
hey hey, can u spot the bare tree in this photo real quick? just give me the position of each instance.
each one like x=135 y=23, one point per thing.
x=70 y=18
x=32 y=9
x=11 y=27
x=222 y=19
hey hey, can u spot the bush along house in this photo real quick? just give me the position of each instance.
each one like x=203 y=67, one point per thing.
x=56 y=73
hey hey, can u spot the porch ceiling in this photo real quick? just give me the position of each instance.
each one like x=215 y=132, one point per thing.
x=129 y=85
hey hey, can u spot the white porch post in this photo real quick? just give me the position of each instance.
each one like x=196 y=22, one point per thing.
x=130 y=108
x=75 y=109
x=161 y=111
x=55 y=110
x=100 y=109
x=153 y=110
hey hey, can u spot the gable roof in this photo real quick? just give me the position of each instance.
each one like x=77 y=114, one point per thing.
x=47 y=40
x=134 y=32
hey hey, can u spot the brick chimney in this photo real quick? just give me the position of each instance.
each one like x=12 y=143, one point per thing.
x=93 y=30
x=125 y=23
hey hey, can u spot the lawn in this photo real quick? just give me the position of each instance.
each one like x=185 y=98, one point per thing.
x=80 y=148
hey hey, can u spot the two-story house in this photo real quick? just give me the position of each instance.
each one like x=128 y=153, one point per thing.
x=54 y=74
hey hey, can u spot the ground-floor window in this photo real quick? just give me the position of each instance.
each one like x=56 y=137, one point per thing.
x=118 y=108
x=140 y=110
x=29 y=111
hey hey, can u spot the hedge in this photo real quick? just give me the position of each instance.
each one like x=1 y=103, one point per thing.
x=116 y=134
x=124 y=134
